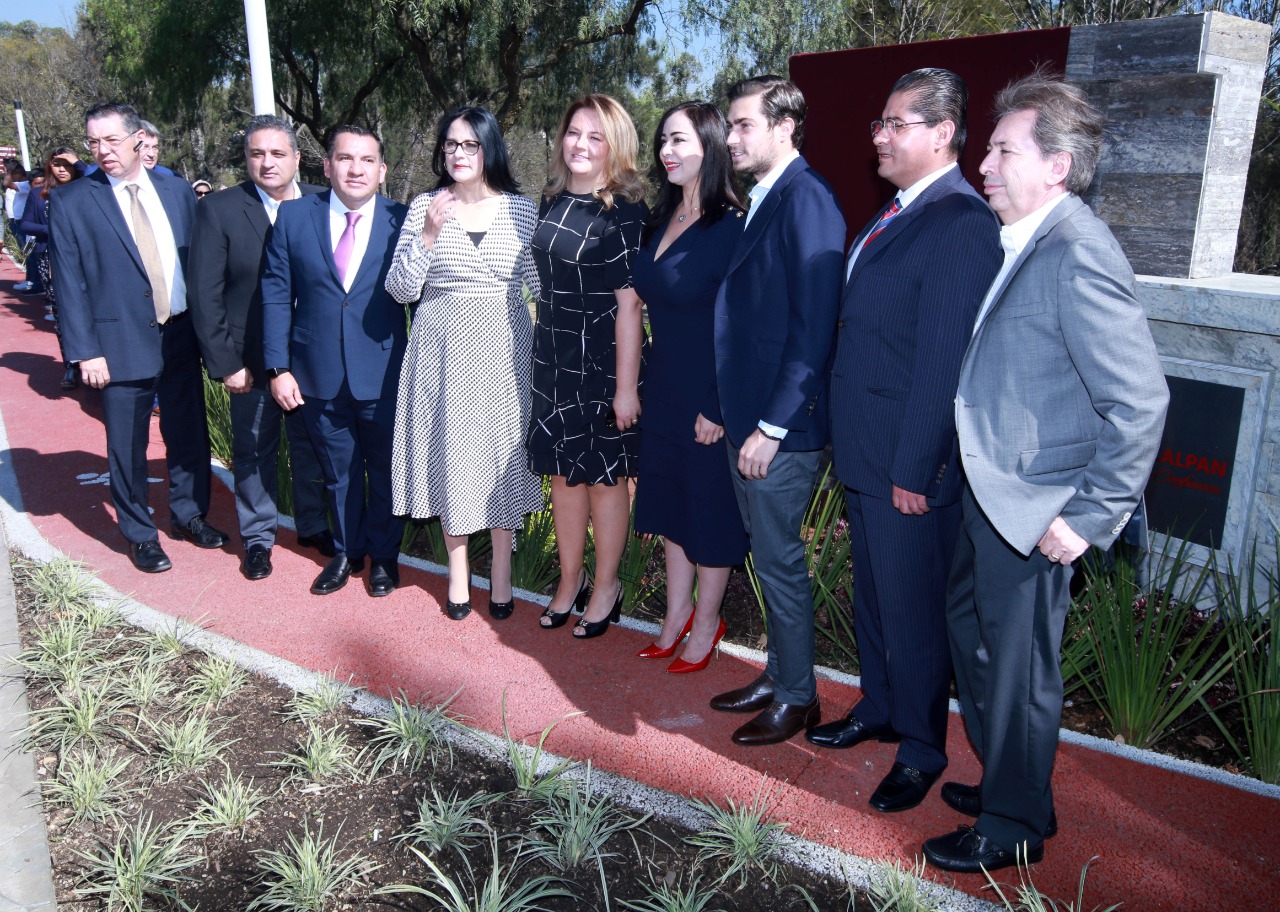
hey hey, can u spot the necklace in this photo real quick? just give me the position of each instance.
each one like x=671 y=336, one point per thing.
x=681 y=218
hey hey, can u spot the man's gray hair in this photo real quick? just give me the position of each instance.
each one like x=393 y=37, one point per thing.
x=270 y=122
x=149 y=128
x=1065 y=122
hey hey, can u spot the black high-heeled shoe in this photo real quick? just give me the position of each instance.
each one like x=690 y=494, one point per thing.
x=457 y=610
x=560 y=618
x=500 y=611
x=592 y=629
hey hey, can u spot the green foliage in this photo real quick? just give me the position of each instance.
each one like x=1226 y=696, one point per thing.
x=896 y=888
x=80 y=715
x=638 y=585
x=448 y=823
x=90 y=785
x=213 y=680
x=323 y=700
x=740 y=838
x=325 y=756
x=142 y=865
x=1027 y=898
x=1150 y=671
x=673 y=897
x=307 y=875
x=217 y=405
x=535 y=565
x=64 y=586
x=187 y=744
x=227 y=805
x=828 y=554
x=410 y=736
x=526 y=765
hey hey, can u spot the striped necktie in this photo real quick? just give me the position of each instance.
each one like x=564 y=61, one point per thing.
x=884 y=221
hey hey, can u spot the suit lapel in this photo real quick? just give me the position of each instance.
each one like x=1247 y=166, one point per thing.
x=254 y=211
x=173 y=209
x=379 y=240
x=106 y=200
x=760 y=218
x=320 y=220
x=1060 y=212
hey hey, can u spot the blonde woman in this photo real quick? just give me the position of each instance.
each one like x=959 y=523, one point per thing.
x=586 y=353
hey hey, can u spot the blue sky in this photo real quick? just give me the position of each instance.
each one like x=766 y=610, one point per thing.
x=44 y=12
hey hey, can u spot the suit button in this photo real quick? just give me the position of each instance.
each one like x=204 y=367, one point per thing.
x=153 y=322
x=346 y=303
x=840 y=325
x=147 y=292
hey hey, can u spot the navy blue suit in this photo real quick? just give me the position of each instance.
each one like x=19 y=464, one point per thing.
x=774 y=321
x=907 y=315
x=345 y=349
x=105 y=310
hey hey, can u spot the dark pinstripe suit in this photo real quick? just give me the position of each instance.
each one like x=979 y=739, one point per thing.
x=907 y=315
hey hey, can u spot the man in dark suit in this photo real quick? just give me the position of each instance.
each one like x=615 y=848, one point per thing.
x=775 y=316
x=119 y=239
x=1059 y=411
x=333 y=343
x=227 y=254
x=916 y=275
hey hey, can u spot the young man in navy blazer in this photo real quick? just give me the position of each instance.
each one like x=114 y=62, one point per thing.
x=333 y=341
x=916 y=275
x=774 y=323
x=119 y=240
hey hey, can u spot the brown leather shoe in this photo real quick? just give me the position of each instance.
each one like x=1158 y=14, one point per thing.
x=752 y=698
x=778 y=722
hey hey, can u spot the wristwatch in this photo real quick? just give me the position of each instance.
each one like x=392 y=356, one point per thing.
x=274 y=372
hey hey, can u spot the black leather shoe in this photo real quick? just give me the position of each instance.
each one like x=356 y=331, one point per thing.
x=149 y=557
x=256 y=563
x=322 y=541
x=457 y=610
x=847 y=732
x=902 y=789
x=335 y=574
x=500 y=611
x=384 y=577
x=200 y=534
x=966 y=851
x=967 y=799
x=777 y=723
x=752 y=698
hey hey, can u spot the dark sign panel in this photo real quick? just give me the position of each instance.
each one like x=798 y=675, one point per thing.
x=1187 y=496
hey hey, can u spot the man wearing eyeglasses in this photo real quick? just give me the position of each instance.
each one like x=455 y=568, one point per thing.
x=228 y=248
x=119 y=240
x=915 y=276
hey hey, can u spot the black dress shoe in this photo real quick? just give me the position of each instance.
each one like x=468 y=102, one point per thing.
x=322 y=541
x=849 y=731
x=902 y=789
x=335 y=574
x=457 y=610
x=777 y=723
x=966 y=851
x=384 y=577
x=256 y=564
x=967 y=799
x=149 y=557
x=500 y=611
x=752 y=698
x=200 y=534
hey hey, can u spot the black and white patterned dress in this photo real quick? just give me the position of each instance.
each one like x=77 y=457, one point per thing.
x=463 y=403
x=583 y=252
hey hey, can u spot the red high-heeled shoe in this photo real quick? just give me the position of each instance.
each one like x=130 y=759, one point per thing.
x=654 y=651
x=680 y=666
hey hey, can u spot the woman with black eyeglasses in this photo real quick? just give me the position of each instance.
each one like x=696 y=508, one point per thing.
x=463 y=404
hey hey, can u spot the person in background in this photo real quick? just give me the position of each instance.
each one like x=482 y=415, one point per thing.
x=151 y=149
x=17 y=181
x=463 y=407
x=684 y=491
x=202 y=188
x=587 y=351
x=60 y=169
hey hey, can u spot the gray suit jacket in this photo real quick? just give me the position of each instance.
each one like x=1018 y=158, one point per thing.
x=1062 y=398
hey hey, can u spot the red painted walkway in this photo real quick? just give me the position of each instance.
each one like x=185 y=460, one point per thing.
x=1165 y=840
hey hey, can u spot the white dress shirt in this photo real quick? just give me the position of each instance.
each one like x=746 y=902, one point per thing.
x=272 y=205
x=1014 y=239
x=905 y=198
x=160 y=228
x=364 y=226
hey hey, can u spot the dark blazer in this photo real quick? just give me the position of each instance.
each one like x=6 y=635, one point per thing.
x=35 y=221
x=316 y=329
x=224 y=291
x=905 y=322
x=776 y=313
x=104 y=298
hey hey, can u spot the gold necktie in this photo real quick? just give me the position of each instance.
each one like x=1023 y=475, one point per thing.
x=145 y=238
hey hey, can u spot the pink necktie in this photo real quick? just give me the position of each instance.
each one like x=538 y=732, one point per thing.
x=884 y=220
x=342 y=253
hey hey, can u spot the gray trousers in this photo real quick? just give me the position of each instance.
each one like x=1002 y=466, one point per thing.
x=1005 y=615
x=255 y=442
x=773 y=510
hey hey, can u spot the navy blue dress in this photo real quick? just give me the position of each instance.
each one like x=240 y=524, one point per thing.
x=684 y=492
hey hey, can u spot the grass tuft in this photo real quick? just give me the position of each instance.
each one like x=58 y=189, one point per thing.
x=141 y=866
x=448 y=823
x=186 y=745
x=227 y=805
x=307 y=875
x=213 y=680
x=411 y=736
x=325 y=756
x=90 y=785
x=328 y=696
x=740 y=838
x=673 y=897
x=896 y=888
x=526 y=765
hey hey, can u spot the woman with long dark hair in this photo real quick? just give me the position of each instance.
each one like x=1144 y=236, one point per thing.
x=463 y=402
x=684 y=492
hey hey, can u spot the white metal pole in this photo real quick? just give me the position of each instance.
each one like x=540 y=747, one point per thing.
x=255 y=20
x=22 y=134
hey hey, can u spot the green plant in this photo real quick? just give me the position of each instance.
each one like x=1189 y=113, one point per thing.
x=147 y=683
x=226 y=805
x=217 y=405
x=1029 y=899
x=65 y=657
x=526 y=765
x=672 y=897
x=89 y=784
x=578 y=826
x=896 y=888
x=63 y=586
x=141 y=864
x=448 y=822
x=80 y=714
x=430 y=534
x=307 y=876
x=170 y=640
x=325 y=698
x=185 y=745
x=740 y=838
x=828 y=554
x=1149 y=669
x=410 y=735
x=501 y=891
x=213 y=680
x=638 y=584
x=535 y=565
x=325 y=755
